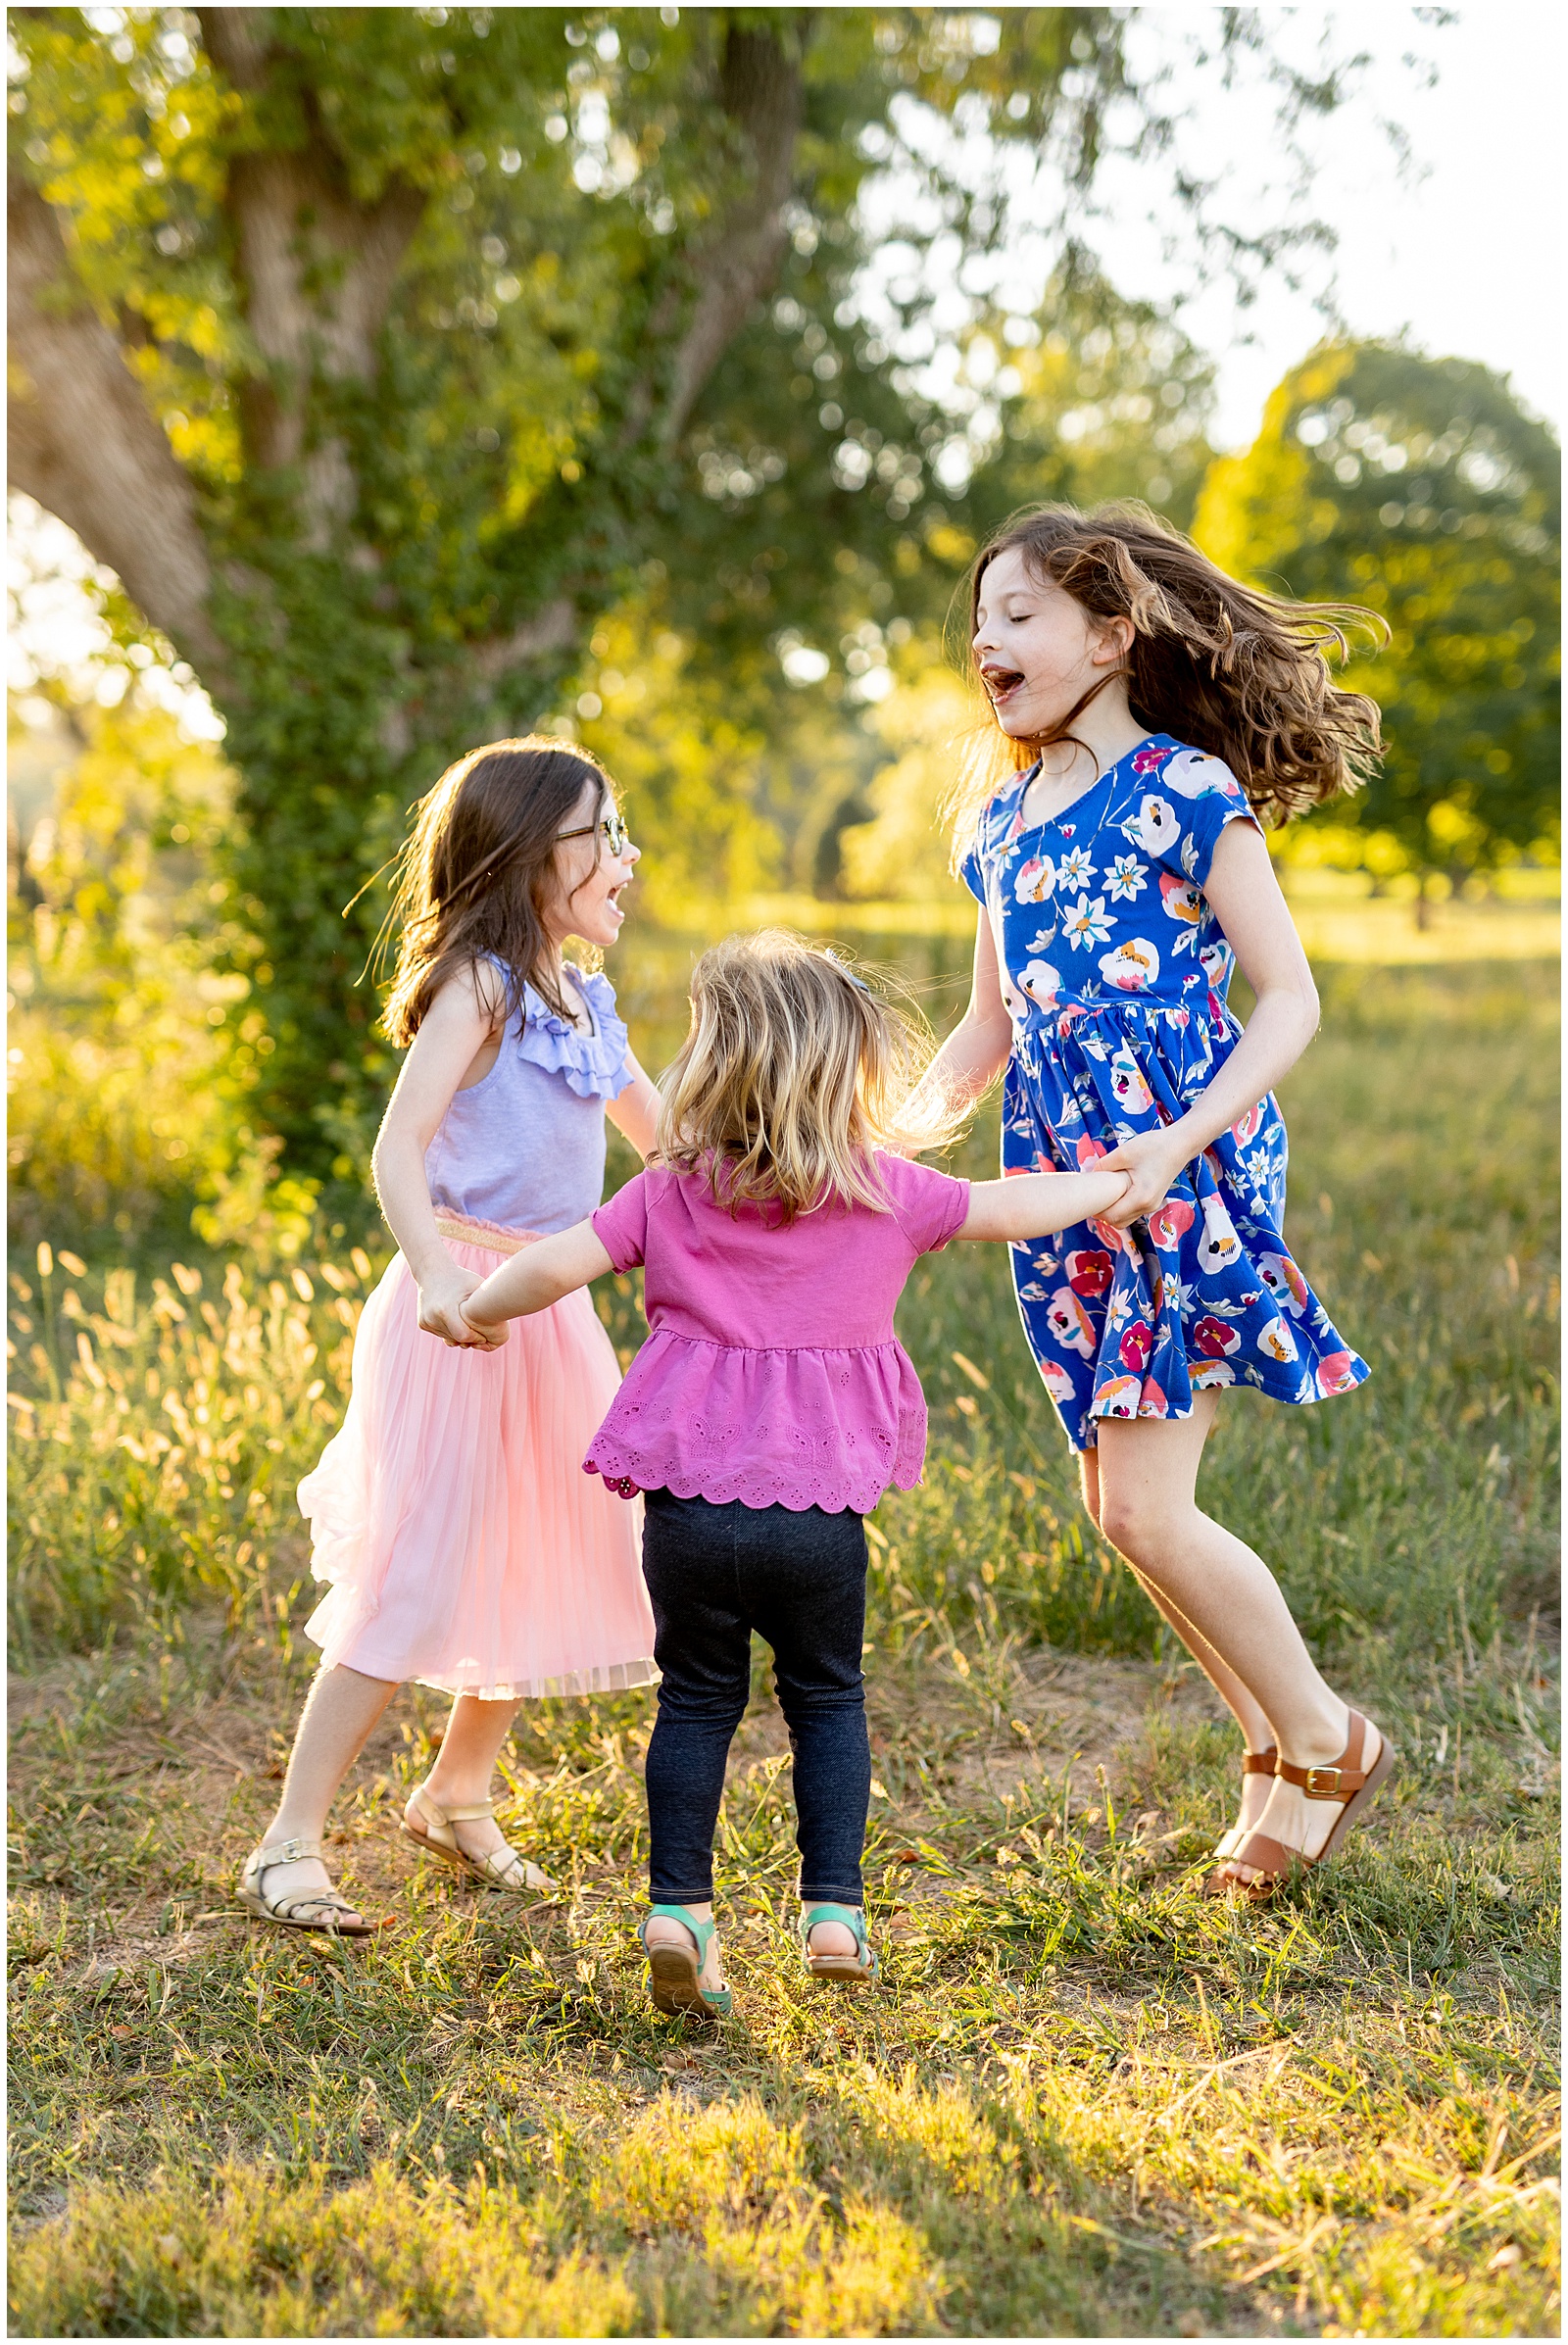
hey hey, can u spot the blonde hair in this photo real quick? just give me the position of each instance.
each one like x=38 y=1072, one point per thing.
x=793 y=1075
x=1225 y=668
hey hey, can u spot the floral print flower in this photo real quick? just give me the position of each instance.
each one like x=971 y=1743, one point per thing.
x=1126 y=878
x=1075 y=870
x=1040 y=982
x=1183 y=901
x=1131 y=966
x=1086 y=923
x=1089 y=1270
x=1156 y=827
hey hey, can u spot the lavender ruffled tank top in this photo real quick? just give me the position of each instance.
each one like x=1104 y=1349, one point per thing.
x=524 y=1147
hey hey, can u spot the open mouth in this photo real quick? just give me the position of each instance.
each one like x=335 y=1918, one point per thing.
x=1001 y=683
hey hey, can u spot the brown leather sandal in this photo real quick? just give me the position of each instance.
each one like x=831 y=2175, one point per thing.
x=1254 y=1762
x=1348 y=1784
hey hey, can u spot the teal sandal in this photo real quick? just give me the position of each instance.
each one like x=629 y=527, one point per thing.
x=675 y=1973
x=844 y=1970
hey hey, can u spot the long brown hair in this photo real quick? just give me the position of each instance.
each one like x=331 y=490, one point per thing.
x=793 y=1075
x=1225 y=668
x=478 y=870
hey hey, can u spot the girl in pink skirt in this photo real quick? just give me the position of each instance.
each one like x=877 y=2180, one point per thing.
x=463 y=1544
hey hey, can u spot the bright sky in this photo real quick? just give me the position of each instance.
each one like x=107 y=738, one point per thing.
x=1452 y=245
x=1463 y=254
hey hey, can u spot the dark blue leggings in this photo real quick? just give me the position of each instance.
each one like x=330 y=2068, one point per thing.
x=714 y=1574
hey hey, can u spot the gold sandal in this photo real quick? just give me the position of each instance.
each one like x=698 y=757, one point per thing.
x=1352 y=1786
x=310 y=1909
x=500 y=1869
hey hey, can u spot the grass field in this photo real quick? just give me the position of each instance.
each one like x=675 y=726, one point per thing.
x=1083 y=2102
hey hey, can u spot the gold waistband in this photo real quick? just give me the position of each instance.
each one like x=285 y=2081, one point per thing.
x=484 y=1233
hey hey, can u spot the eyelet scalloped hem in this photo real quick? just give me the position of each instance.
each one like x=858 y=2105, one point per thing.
x=758 y=1494
x=795 y=1427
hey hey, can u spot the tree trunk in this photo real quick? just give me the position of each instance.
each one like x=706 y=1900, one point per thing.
x=82 y=444
x=344 y=691
x=760 y=89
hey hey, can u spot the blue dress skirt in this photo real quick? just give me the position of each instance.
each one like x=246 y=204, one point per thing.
x=1115 y=972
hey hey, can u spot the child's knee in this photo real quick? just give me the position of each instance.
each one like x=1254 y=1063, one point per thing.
x=1135 y=1527
x=701 y=1705
x=815 y=1705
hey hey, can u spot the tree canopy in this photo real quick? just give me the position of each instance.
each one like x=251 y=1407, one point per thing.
x=385 y=354
x=1421 y=487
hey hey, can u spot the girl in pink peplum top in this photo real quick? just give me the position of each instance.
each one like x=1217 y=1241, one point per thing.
x=772 y=1406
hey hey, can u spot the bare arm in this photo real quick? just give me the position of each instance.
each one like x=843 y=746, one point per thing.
x=974 y=1052
x=635 y=1112
x=1246 y=900
x=1034 y=1205
x=533 y=1280
x=458 y=1025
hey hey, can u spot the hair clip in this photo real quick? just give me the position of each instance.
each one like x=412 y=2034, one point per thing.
x=844 y=969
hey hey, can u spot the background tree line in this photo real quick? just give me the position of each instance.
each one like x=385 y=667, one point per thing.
x=422 y=375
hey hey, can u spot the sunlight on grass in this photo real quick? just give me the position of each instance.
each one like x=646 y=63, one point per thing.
x=1082 y=2101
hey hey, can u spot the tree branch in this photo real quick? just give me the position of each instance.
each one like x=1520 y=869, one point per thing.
x=82 y=443
x=760 y=89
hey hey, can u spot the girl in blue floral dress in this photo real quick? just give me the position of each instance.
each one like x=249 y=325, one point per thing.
x=1156 y=710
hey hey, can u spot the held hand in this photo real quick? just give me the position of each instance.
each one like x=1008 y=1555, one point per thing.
x=441 y=1300
x=486 y=1336
x=1152 y=1161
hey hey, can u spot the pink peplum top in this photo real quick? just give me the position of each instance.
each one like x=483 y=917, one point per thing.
x=772 y=1373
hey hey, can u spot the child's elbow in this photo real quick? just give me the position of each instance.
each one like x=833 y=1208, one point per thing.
x=1311 y=1011
x=391 y=1144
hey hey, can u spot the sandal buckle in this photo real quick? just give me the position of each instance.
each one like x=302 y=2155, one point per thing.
x=290 y=1853
x=1322 y=1783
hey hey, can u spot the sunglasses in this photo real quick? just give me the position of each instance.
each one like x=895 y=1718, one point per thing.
x=616 y=837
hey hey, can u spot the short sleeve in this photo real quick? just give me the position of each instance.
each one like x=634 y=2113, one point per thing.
x=622 y=1226
x=1183 y=807
x=973 y=878
x=929 y=1206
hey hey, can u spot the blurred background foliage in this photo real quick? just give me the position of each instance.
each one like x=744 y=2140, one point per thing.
x=1421 y=488
x=467 y=329
x=555 y=481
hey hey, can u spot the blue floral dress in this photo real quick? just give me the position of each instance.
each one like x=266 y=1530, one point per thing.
x=1115 y=972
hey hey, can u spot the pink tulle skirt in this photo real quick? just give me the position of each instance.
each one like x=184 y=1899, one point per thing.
x=465 y=1544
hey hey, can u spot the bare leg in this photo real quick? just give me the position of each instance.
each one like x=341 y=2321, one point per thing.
x=341 y=1711
x=1256 y=1732
x=1213 y=1581
x=464 y=1765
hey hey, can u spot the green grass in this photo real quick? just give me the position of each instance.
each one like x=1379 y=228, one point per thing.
x=1083 y=2102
